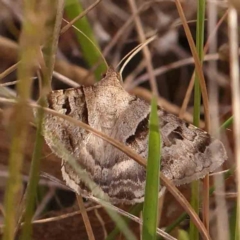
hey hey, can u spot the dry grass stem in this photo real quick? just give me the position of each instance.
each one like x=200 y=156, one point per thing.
x=234 y=72
x=197 y=64
x=129 y=152
x=85 y=12
x=130 y=216
x=85 y=217
x=8 y=71
x=145 y=49
x=36 y=42
x=206 y=47
x=147 y=95
x=100 y=219
x=166 y=68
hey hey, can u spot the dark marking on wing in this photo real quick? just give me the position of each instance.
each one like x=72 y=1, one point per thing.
x=141 y=131
x=203 y=143
x=176 y=134
x=67 y=106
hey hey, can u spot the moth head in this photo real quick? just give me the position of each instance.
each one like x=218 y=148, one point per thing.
x=111 y=78
x=107 y=99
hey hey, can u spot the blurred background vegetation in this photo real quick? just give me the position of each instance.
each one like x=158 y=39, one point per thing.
x=30 y=32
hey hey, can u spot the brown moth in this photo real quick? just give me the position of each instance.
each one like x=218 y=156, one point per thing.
x=188 y=153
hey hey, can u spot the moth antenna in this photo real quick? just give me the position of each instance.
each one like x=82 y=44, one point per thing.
x=103 y=58
x=134 y=49
x=132 y=53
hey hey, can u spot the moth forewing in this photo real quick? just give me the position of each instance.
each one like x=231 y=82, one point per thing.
x=188 y=153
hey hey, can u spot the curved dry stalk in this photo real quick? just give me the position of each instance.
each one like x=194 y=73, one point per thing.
x=51 y=46
x=129 y=152
x=90 y=40
x=9 y=70
x=235 y=86
x=64 y=216
x=147 y=95
x=85 y=218
x=145 y=49
x=12 y=83
x=65 y=28
x=121 y=31
x=135 y=51
x=130 y=216
x=206 y=47
x=197 y=63
x=102 y=223
x=171 y=66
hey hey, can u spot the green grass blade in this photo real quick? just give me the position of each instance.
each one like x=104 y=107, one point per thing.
x=172 y=226
x=73 y=8
x=195 y=204
x=232 y=223
x=227 y=123
x=135 y=210
x=121 y=224
x=33 y=179
x=52 y=30
x=183 y=235
x=236 y=233
x=150 y=207
x=194 y=234
x=29 y=45
x=183 y=216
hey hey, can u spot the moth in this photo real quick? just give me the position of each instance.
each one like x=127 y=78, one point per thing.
x=188 y=153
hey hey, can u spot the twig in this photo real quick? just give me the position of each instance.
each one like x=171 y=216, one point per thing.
x=9 y=70
x=206 y=47
x=129 y=152
x=163 y=69
x=162 y=102
x=65 y=28
x=145 y=49
x=130 y=216
x=234 y=73
x=47 y=198
x=197 y=63
x=85 y=217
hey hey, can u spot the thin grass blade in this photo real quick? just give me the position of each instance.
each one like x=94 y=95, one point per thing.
x=74 y=8
x=195 y=202
x=135 y=210
x=183 y=235
x=33 y=179
x=150 y=207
